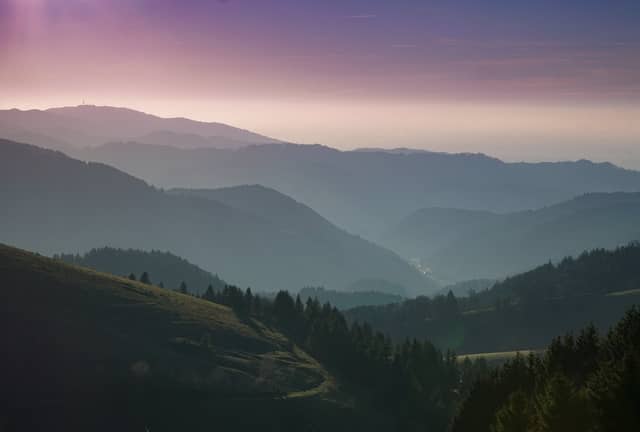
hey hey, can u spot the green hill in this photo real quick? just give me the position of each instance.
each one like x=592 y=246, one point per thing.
x=99 y=352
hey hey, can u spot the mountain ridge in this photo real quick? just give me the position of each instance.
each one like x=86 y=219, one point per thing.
x=91 y=204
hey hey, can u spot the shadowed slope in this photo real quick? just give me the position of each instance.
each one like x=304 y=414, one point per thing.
x=91 y=349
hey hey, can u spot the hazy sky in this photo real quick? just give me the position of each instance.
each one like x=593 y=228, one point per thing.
x=543 y=79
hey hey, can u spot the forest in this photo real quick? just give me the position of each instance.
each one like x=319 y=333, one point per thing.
x=583 y=382
x=522 y=312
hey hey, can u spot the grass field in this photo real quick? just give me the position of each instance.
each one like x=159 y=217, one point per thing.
x=497 y=357
x=632 y=292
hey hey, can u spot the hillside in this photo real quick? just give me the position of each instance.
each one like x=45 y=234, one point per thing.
x=163 y=268
x=73 y=206
x=293 y=218
x=121 y=353
x=368 y=192
x=524 y=311
x=72 y=128
x=517 y=241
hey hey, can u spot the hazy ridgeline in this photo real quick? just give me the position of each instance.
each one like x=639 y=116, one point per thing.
x=71 y=206
x=454 y=243
x=366 y=192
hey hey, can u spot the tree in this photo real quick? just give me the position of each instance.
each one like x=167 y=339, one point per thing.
x=561 y=407
x=514 y=416
x=209 y=294
x=145 y=279
x=132 y=276
x=183 y=288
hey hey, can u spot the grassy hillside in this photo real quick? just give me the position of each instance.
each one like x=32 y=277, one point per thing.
x=102 y=352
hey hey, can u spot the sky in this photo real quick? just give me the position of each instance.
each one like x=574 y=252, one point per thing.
x=521 y=80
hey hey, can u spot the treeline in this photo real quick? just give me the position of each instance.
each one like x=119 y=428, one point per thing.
x=586 y=383
x=162 y=268
x=523 y=312
x=594 y=272
x=417 y=386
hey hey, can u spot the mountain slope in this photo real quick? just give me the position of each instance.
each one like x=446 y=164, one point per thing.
x=123 y=353
x=367 y=192
x=295 y=219
x=517 y=241
x=426 y=231
x=71 y=206
x=162 y=267
x=70 y=128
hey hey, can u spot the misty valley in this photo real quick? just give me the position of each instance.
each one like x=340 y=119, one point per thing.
x=154 y=284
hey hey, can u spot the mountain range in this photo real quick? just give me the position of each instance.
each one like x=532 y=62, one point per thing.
x=66 y=205
x=72 y=128
x=459 y=244
x=369 y=192
x=366 y=191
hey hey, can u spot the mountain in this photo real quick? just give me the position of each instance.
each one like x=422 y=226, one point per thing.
x=71 y=128
x=367 y=192
x=295 y=219
x=426 y=231
x=523 y=312
x=163 y=268
x=72 y=206
x=487 y=245
x=92 y=351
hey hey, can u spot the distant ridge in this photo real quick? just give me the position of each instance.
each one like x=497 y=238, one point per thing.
x=70 y=128
x=252 y=236
x=367 y=192
x=455 y=243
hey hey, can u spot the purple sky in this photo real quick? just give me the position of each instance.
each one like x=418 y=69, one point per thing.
x=521 y=79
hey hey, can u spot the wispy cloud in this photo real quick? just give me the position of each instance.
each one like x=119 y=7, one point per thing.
x=362 y=16
x=404 y=46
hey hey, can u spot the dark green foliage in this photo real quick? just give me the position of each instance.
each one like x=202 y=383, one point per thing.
x=183 y=288
x=413 y=383
x=163 y=266
x=93 y=352
x=584 y=383
x=145 y=279
x=595 y=272
x=524 y=311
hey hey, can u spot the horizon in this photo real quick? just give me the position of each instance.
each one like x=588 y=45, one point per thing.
x=516 y=81
x=627 y=163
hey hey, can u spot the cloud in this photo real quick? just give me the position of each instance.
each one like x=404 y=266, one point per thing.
x=404 y=46
x=362 y=16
